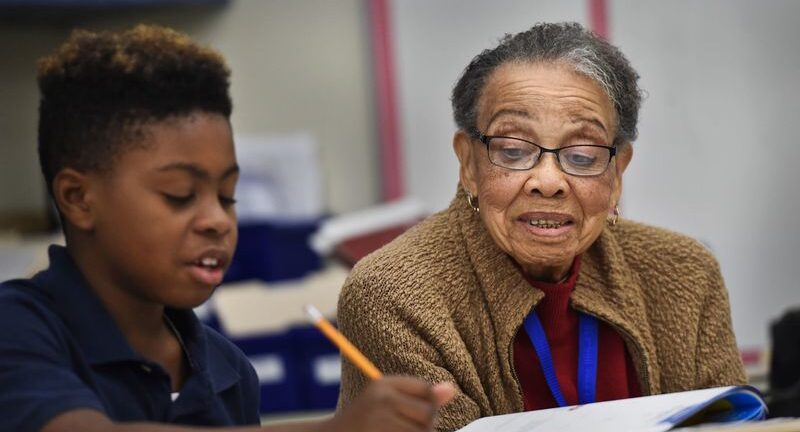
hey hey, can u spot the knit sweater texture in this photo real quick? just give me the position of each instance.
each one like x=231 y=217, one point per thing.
x=615 y=377
x=443 y=302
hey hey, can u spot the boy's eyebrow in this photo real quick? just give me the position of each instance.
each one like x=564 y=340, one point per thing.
x=196 y=171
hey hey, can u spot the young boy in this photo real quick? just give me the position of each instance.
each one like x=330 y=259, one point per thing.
x=136 y=148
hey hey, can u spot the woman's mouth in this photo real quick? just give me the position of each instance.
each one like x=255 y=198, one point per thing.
x=547 y=224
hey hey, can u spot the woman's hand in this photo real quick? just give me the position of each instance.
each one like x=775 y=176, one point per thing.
x=393 y=404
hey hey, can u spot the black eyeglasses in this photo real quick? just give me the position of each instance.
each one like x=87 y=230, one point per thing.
x=517 y=154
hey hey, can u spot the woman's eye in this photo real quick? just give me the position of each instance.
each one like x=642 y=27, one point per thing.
x=581 y=159
x=513 y=153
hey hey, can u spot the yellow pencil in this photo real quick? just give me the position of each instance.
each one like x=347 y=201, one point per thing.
x=348 y=349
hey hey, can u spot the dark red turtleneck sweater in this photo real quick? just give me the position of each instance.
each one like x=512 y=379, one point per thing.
x=616 y=375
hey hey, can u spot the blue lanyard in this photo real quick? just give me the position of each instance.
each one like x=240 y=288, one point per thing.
x=587 y=357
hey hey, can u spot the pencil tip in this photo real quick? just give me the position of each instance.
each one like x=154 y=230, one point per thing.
x=312 y=312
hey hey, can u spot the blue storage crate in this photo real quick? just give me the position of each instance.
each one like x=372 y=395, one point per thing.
x=274 y=359
x=320 y=368
x=274 y=250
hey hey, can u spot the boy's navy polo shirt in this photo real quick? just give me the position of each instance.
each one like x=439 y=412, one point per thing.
x=60 y=350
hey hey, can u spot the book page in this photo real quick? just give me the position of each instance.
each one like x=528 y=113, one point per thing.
x=646 y=414
x=773 y=425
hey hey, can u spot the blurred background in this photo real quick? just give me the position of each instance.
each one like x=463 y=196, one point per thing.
x=343 y=125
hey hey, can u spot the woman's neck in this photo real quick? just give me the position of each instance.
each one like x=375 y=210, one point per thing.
x=554 y=274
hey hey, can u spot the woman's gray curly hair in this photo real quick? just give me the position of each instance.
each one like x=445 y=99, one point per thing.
x=555 y=42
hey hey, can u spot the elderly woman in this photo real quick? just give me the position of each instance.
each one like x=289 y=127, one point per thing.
x=529 y=291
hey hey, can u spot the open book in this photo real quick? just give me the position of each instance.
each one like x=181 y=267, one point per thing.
x=646 y=414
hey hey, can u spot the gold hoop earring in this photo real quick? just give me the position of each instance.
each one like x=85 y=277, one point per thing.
x=613 y=219
x=473 y=202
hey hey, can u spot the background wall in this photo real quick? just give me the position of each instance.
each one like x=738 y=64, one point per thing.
x=297 y=65
x=21 y=190
x=434 y=42
x=717 y=151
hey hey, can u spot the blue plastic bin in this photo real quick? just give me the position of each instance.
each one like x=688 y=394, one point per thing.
x=274 y=250
x=274 y=359
x=319 y=368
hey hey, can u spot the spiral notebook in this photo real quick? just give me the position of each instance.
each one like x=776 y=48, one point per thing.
x=645 y=414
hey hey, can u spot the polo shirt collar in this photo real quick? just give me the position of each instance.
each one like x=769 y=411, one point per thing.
x=203 y=358
x=98 y=334
x=83 y=312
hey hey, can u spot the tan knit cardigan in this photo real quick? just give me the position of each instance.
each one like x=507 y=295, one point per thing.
x=443 y=302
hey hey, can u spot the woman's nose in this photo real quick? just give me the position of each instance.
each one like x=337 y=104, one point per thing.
x=546 y=178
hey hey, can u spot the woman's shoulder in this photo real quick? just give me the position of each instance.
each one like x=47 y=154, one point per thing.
x=649 y=248
x=421 y=249
x=638 y=237
x=424 y=260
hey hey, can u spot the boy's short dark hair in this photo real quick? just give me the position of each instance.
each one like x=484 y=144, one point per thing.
x=98 y=90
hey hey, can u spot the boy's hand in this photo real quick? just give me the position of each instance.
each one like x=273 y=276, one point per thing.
x=393 y=404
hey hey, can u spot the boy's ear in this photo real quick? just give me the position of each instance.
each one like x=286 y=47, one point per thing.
x=74 y=196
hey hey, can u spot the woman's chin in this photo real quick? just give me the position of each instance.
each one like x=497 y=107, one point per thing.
x=546 y=268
